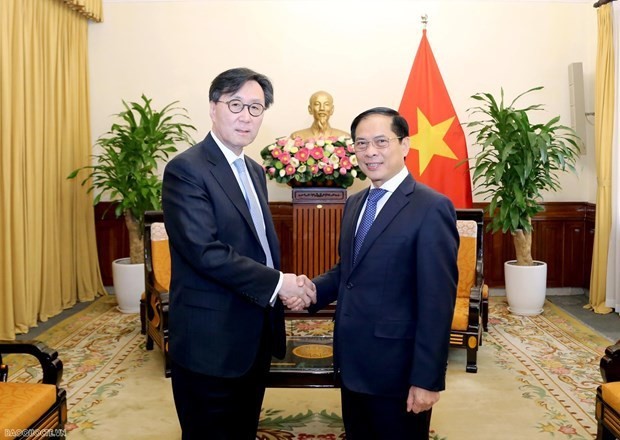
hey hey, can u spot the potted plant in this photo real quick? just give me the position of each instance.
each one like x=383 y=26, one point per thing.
x=126 y=170
x=518 y=160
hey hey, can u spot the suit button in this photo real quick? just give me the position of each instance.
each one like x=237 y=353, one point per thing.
x=349 y=285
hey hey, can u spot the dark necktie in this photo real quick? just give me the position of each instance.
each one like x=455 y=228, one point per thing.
x=252 y=203
x=367 y=218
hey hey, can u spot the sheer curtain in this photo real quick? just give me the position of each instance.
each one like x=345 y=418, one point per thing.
x=603 y=139
x=48 y=253
x=613 y=265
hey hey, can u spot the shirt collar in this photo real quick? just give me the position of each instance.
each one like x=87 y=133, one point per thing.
x=228 y=154
x=391 y=185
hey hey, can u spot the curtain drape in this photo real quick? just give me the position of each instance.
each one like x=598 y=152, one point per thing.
x=48 y=252
x=613 y=277
x=603 y=139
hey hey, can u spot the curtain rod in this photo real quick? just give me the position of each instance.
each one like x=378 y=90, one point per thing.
x=600 y=3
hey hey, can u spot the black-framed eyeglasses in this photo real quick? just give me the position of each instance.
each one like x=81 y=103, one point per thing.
x=379 y=142
x=236 y=106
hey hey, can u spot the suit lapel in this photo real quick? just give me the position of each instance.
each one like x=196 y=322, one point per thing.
x=224 y=175
x=397 y=201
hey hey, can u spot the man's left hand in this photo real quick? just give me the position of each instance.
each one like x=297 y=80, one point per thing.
x=420 y=399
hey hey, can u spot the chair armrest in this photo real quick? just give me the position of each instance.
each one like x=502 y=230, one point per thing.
x=475 y=305
x=47 y=357
x=610 y=363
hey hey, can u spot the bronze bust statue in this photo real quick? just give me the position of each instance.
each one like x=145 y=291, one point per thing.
x=321 y=107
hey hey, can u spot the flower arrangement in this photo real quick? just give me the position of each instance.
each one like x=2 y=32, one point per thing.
x=321 y=162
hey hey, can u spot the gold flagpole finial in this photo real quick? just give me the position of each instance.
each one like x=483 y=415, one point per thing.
x=424 y=20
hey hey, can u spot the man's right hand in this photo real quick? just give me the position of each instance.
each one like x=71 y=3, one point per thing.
x=297 y=292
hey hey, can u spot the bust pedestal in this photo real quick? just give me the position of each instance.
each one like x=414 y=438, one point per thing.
x=317 y=214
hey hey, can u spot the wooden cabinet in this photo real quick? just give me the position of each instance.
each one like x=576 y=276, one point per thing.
x=562 y=237
x=112 y=239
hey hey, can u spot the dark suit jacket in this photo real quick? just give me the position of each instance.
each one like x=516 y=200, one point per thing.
x=395 y=306
x=220 y=287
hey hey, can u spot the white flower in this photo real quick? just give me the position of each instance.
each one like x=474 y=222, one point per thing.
x=302 y=169
x=353 y=160
x=329 y=148
x=353 y=173
x=320 y=142
x=294 y=162
x=334 y=160
x=282 y=172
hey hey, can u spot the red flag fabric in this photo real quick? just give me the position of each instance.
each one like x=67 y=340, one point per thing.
x=436 y=136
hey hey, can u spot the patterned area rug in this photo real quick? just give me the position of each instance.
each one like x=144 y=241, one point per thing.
x=536 y=379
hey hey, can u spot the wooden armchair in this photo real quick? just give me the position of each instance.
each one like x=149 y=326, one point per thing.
x=471 y=309
x=608 y=395
x=32 y=410
x=154 y=308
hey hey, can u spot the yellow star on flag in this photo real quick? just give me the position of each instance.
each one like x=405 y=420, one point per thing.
x=429 y=140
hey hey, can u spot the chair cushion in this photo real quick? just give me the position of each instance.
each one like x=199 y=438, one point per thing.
x=460 y=318
x=21 y=404
x=161 y=255
x=611 y=394
x=466 y=259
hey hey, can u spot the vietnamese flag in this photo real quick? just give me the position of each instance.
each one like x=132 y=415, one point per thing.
x=436 y=137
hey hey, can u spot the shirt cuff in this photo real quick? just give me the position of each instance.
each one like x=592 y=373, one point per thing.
x=274 y=297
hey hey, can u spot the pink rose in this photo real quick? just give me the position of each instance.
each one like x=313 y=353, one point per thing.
x=302 y=154
x=346 y=163
x=317 y=153
x=272 y=171
x=314 y=169
x=343 y=171
x=340 y=152
x=290 y=169
x=282 y=142
x=285 y=158
x=328 y=169
x=276 y=153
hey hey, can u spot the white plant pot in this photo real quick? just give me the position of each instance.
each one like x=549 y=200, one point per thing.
x=128 y=284
x=526 y=287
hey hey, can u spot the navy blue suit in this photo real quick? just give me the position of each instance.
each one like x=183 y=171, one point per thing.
x=220 y=320
x=395 y=305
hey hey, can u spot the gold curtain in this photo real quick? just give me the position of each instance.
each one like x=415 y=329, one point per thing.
x=48 y=252
x=603 y=140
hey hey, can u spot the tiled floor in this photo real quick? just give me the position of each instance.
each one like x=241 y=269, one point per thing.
x=608 y=325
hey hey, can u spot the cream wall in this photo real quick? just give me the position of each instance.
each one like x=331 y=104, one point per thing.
x=360 y=51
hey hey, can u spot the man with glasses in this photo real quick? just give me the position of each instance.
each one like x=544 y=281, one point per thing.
x=395 y=284
x=226 y=316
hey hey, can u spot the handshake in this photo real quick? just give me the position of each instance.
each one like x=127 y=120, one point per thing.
x=297 y=292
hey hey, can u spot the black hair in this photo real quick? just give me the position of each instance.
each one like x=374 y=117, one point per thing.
x=232 y=80
x=399 y=124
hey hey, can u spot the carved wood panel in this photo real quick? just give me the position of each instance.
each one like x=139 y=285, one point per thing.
x=315 y=237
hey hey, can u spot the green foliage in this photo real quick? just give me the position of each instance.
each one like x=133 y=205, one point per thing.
x=518 y=160
x=126 y=168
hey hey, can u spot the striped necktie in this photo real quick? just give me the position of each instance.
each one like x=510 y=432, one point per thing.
x=367 y=218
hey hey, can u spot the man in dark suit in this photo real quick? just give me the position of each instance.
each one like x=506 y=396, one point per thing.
x=395 y=284
x=226 y=317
